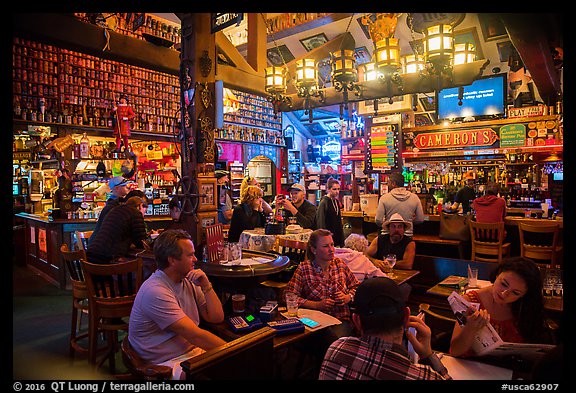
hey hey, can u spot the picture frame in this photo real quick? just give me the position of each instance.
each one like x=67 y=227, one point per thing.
x=279 y=55
x=504 y=48
x=428 y=103
x=422 y=120
x=314 y=41
x=492 y=26
x=469 y=35
x=362 y=55
x=210 y=201
x=401 y=103
x=205 y=219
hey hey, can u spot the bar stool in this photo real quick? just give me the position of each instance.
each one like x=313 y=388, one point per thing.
x=79 y=298
x=540 y=242
x=112 y=289
x=488 y=242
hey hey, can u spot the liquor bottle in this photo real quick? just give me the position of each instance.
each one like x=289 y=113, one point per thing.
x=84 y=147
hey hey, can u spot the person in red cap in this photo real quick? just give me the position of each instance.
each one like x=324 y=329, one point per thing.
x=298 y=206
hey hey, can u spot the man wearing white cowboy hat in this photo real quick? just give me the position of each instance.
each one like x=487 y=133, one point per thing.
x=465 y=195
x=393 y=242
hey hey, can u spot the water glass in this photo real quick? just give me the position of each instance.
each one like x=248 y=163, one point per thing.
x=391 y=259
x=235 y=251
x=292 y=304
x=472 y=277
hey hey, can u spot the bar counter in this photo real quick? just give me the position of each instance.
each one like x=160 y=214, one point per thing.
x=44 y=236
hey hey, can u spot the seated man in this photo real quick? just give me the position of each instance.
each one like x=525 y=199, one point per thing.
x=167 y=310
x=299 y=206
x=393 y=242
x=353 y=254
x=382 y=318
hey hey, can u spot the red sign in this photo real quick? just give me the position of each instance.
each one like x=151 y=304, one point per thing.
x=461 y=138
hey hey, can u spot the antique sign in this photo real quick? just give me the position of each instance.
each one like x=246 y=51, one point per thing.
x=460 y=138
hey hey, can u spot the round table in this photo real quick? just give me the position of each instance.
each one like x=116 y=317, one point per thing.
x=257 y=240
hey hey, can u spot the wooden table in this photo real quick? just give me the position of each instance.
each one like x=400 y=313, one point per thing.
x=403 y=275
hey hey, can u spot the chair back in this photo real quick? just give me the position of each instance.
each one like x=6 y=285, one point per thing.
x=112 y=287
x=141 y=369
x=540 y=241
x=488 y=241
x=249 y=357
x=72 y=261
x=441 y=326
x=294 y=249
x=214 y=241
x=82 y=239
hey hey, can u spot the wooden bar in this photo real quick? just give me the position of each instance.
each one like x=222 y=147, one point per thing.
x=43 y=238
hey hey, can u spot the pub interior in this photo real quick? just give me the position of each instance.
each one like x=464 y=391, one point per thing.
x=283 y=99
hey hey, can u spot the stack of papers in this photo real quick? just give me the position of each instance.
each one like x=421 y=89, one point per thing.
x=454 y=282
x=247 y=261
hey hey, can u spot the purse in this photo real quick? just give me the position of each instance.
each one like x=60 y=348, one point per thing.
x=454 y=227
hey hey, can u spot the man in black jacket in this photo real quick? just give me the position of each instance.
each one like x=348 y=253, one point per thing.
x=298 y=206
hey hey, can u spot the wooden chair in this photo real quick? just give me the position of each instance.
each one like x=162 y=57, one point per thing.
x=79 y=298
x=296 y=251
x=540 y=242
x=112 y=289
x=82 y=239
x=441 y=326
x=214 y=240
x=488 y=242
x=250 y=357
x=141 y=369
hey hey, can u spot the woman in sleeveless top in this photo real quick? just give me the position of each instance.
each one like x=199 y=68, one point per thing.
x=513 y=305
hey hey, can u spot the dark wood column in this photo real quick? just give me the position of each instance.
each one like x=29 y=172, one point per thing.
x=197 y=75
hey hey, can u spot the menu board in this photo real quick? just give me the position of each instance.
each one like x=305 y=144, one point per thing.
x=382 y=144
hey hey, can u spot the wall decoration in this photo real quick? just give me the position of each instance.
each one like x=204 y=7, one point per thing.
x=422 y=119
x=492 y=26
x=364 y=26
x=277 y=56
x=469 y=35
x=207 y=186
x=399 y=104
x=504 y=50
x=314 y=41
x=428 y=103
x=362 y=55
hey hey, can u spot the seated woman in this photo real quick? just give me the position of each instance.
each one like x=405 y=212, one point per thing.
x=353 y=254
x=324 y=282
x=513 y=305
x=248 y=214
x=251 y=181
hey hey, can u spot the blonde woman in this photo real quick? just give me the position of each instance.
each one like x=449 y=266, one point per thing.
x=251 y=181
x=248 y=214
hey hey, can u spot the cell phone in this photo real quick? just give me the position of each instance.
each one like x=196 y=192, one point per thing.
x=309 y=322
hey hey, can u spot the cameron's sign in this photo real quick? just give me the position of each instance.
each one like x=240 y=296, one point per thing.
x=460 y=138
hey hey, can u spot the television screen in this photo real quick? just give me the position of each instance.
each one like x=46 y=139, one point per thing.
x=485 y=97
x=558 y=176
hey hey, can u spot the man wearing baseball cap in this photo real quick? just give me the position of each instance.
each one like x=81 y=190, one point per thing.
x=298 y=206
x=119 y=187
x=383 y=319
x=465 y=195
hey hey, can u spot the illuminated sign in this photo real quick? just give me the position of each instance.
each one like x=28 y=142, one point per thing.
x=461 y=138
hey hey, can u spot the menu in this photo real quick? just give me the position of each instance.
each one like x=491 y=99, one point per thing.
x=382 y=154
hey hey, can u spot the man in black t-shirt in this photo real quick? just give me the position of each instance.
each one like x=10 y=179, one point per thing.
x=465 y=195
x=393 y=242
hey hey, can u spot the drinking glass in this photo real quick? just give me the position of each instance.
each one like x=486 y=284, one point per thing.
x=391 y=259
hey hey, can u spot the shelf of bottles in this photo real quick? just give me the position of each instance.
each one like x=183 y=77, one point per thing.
x=253 y=121
x=152 y=25
x=61 y=86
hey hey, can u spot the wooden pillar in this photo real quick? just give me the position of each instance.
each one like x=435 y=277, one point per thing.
x=197 y=76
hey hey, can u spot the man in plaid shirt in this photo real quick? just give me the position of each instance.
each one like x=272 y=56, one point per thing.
x=381 y=316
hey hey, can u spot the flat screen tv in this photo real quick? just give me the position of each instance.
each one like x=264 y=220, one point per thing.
x=484 y=98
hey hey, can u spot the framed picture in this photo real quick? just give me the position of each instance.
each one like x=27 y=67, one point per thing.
x=422 y=119
x=504 y=50
x=205 y=219
x=277 y=56
x=208 y=187
x=314 y=41
x=361 y=55
x=492 y=26
x=428 y=103
x=399 y=104
x=469 y=35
